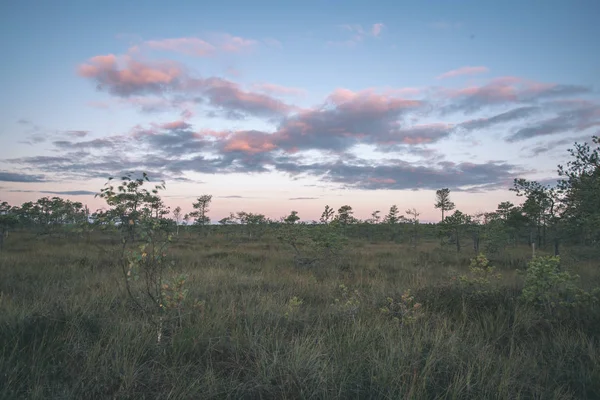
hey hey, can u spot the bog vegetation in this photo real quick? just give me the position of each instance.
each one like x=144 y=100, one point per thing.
x=135 y=301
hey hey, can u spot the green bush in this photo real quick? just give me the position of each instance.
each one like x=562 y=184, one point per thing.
x=551 y=290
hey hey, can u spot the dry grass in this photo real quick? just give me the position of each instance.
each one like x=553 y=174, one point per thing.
x=67 y=329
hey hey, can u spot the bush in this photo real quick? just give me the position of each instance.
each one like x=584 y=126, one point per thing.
x=551 y=290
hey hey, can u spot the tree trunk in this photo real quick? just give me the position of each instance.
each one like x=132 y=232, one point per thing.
x=457 y=241
x=544 y=235
x=556 y=246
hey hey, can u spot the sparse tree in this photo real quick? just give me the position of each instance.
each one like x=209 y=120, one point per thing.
x=455 y=224
x=327 y=215
x=8 y=220
x=580 y=190
x=177 y=216
x=392 y=219
x=345 y=216
x=292 y=218
x=375 y=217
x=201 y=209
x=443 y=201
x=414 y=221
x=393 y=216
x=539 y=206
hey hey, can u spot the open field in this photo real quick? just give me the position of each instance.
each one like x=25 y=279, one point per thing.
x=269 y=329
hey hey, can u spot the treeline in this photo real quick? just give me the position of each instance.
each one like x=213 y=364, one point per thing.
x=568 y=212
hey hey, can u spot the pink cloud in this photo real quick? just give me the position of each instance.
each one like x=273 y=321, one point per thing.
x=382 y=180
x=250 y=142
x=358 y=34
x=504 y=90
x=174 y=125
x=187 y=45
x=235 y=44
x=126 y=77
x=377 y=28
x=224 y=93
x=133 y=76
x=369 y=101
x=271 y=88
x=196 y=47
x=348 y=118
x=463 y=71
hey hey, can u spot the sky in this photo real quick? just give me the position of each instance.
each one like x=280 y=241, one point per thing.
x=275 y=106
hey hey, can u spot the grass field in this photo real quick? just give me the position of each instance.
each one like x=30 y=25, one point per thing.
x=268 y=329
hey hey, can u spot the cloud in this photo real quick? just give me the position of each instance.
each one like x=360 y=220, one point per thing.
x=170 y=83
x=541 y=147
x=504 y=91
x=321 y=141
x=358 y=34
x=575 y=119
x=376 y=29
x=6 y=176
x=228 y=96
x=278 y=90
x=63 y=193
x=303 y=198
x=129 y=77
x=400 y=175
x=463 y=71
x=508 y=116
x=105 y=143
x=196 y=47
x=79 y=134
x=232 y=197
x=190 y=46
x=345 y=119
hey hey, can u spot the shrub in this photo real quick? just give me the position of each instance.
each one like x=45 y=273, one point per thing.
x=405 y=311
x=551 y=290
x=347 y=302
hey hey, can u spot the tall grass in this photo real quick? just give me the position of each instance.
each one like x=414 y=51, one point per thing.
x=68 y=329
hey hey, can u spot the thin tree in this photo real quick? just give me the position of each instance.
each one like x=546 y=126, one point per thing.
x=392 y=219
x=443 y=202
x=201 y=209
x=177 y=216
x=327 y=215
x=345 y=216
x=375 y=217
x=414 y=221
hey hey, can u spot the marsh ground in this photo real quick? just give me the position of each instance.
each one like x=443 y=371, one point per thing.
x=269 y=329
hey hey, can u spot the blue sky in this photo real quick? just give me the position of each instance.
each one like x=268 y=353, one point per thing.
x=273 y=106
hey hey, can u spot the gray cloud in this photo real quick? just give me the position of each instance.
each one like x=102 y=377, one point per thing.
x=105 y=143
x=504 y=91
x=6 y=176
x=77 y=133
x=303 y=198
x=574 y=119
x=541 y=147
x=60 y=193
x=512 y=115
